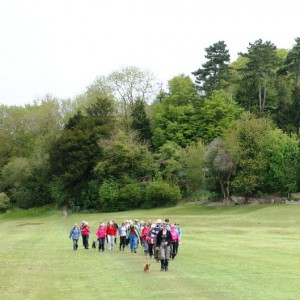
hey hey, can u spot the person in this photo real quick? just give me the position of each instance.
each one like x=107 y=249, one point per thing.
x=111 y=233
x=122 y=234
x=168 y=223
x=158 y=228
x=152 y=240
x=144 y=237
x=163 y=242
x=101 y=235
x=133 y=234
x=178 y=229
x=75 y=235
x=116 y=226
x=85 y=233
x=175 y=241
x=141 y=227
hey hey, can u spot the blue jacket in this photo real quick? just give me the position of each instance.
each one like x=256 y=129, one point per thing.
x=75 y=233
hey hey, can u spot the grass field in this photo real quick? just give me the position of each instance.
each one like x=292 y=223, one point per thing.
x=241 y=252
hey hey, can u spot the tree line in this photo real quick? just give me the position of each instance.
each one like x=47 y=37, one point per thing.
x=126 y=143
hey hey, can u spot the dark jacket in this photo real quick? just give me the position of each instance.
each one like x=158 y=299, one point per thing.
x=158 y=238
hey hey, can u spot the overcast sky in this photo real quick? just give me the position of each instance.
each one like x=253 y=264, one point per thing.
x=59 y=47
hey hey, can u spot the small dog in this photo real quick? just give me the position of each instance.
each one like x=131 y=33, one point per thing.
x=94 y=245
x=146 y=267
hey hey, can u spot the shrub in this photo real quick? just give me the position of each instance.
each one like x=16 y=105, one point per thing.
x=4 y=202
x=131 y=196
x=109 y=194
x=159 y=193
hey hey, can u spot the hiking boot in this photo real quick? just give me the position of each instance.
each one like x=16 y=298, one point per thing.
x=166 y=265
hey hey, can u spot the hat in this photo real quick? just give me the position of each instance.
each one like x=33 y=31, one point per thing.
x=164 y=223
x=158 y=221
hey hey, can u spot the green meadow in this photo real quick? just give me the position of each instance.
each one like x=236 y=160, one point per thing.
x=232 y=252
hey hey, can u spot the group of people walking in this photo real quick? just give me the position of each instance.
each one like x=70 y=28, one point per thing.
x=160 y=240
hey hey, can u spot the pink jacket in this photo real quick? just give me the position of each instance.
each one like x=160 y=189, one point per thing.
x=101 y=232
x=175 y=235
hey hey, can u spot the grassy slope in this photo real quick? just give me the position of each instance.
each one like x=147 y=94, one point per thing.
x=227 y=253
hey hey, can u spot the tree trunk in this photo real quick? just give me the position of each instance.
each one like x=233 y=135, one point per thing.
x=259 y=96
x=265 y=93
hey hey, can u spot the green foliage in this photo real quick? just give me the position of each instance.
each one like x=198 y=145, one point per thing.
x=245 y=144
x=131 y=196
x=261 y=66
x=174 y=123
x=58 y=191
x=217 y=113
x=76 y=152
x=140 y=121
x=214 y=73
x=220 y=165
x=182 y=91
x=282 y=153
x=4 y=202
x=292 y=62
x=124 y=159
x=171 y=164
x=159 y=193
x=194 y=167
x=174 y=117
x=109 y=195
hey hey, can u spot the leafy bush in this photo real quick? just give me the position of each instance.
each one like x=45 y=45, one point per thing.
x=159 y=193
x=4 y=202
x=108 y=195
x=131 y=196
x=24 y=198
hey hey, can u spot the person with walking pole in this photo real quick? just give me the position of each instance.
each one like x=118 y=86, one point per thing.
x=163 y=242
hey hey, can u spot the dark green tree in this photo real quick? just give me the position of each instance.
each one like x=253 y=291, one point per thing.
x=261 y=66
x=215 y=72
x=140 y=121
x=293 y=62
x=76 y=152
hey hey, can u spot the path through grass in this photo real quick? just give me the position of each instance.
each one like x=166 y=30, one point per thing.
x=227 y=253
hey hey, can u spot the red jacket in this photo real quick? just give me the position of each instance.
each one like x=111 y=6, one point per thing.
x=85 y=230
x=111 y=230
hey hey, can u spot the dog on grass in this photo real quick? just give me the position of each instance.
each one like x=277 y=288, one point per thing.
x=146 y=267
x=94 y=245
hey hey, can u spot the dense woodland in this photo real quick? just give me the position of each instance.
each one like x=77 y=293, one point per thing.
x=127 y=143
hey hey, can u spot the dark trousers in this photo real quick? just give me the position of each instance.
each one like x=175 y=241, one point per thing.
x=151 y=249
x=101 y=244
x=174 y=249
x=85 y=241
x=122 y=242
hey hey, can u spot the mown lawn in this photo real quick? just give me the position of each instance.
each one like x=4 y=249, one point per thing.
x=241 y=252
